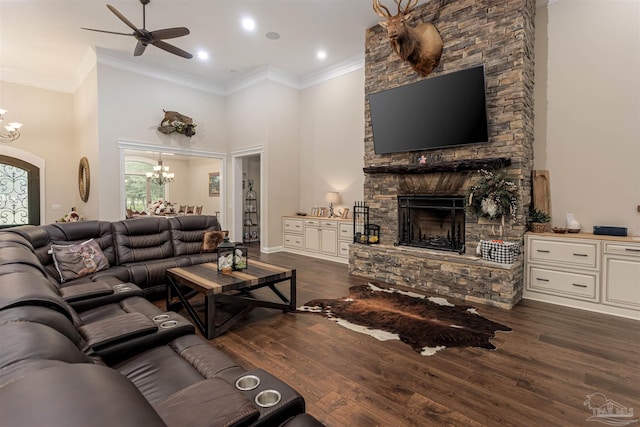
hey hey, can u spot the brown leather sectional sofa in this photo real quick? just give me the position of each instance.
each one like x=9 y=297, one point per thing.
x=94 y=351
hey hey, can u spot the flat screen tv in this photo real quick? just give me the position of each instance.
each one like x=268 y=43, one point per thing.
x=443 y=111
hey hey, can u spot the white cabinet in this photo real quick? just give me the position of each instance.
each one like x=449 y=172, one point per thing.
x=599 y=273
x=621 y=275
x=345 y=238
x=293 y=233
x=319 y=237
x=311 y=235
x=563 y=267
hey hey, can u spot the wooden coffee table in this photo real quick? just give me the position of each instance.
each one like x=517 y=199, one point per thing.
x=234 y=289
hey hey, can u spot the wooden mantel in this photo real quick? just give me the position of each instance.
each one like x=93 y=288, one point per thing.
x=450 y=166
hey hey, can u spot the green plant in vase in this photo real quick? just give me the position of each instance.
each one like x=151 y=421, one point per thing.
x=537 y=220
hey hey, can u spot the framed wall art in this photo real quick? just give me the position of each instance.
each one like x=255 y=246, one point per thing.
x=214 y=184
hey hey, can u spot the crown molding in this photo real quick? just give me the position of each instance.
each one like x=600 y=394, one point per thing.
x=144 y=146
x=105 y=57
x=248 y=79
x=38 y=80
x=87 y=64
x=276 y=75
x=258 y=75
x=336 y=70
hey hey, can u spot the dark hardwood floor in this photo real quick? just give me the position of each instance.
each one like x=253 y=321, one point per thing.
x=540 y=374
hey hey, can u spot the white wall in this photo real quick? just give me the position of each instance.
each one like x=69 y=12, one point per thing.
x=47 y=132
x=587 y=110
x=281 y=186
x=332 y=141
x=130 y=108
x=85 y=117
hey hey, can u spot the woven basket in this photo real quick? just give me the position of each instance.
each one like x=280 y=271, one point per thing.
x=538 y=227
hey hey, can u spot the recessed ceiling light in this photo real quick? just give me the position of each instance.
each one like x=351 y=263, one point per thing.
x=203 y=55
x=321 y=54
x=272 y=35
x=248 y=24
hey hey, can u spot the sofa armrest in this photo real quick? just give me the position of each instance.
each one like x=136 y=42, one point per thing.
x=210 y=402
x=83 y=291
x=114 y=330
x=168 y=327
x=85 y=296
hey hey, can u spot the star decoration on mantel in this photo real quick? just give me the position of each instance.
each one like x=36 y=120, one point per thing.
x=422 y=160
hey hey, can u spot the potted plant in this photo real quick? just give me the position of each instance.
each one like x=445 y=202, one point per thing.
x=537 y=220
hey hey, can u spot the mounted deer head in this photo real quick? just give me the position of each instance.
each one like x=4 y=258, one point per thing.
x=421 y=46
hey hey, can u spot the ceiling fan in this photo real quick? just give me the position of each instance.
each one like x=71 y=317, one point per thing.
x=146 y=37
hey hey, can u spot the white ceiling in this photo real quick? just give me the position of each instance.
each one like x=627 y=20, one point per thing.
x=42 y=44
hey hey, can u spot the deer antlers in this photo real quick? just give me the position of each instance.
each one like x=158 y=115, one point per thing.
x=421 y=45
x=383 y=12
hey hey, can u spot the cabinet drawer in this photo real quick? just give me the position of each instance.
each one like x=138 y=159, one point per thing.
x=577 y=254
x=345 y=231
x=328 y=224
x=563 y=283
x=293 y=241
x=293 y=226
x=312 y=223
x=628 y=249
x=343 y=249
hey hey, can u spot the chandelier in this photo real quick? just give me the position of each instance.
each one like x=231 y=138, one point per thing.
x=12 y=129
x=160 y=174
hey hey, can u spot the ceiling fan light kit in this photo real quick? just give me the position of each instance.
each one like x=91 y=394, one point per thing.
x=146 y=37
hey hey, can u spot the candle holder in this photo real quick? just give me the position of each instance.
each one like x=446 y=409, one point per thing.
x=226 y=250
x=240 y=257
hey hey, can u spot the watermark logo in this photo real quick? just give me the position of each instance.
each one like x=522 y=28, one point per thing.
x=607 y=411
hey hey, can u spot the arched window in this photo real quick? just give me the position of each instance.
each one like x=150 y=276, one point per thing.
x=138 y=190
x=19 y=192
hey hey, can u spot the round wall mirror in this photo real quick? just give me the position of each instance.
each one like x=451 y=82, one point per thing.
x=84 y=181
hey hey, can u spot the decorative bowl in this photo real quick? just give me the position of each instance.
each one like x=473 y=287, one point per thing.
x=559 y=230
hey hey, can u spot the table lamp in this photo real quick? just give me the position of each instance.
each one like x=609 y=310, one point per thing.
x=332 y=197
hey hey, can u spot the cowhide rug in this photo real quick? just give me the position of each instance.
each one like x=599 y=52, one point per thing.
x=427 y=324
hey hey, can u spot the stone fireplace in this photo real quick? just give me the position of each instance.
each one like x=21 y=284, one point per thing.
x=431 y=222
x=499 y=35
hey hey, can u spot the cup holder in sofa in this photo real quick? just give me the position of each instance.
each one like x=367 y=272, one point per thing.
x=169 y=324
x=247 y=382
x=268 y=398
x=160 y=317
x=122 y=287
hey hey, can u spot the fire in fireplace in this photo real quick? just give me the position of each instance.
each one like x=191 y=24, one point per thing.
x=433 y=222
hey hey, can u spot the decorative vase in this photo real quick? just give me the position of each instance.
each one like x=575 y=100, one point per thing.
x=573 y=225
x=538 y=227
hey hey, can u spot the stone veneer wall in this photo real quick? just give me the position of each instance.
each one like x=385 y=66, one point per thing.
x=498 y=34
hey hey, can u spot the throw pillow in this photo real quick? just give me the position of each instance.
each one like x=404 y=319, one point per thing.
x=211 y=240
x=73 y=261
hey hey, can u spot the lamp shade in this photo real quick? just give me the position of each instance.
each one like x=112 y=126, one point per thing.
x=332 y=197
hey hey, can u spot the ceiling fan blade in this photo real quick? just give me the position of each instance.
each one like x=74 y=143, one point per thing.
x=169 y=33
x=139 y=49
x=104 y=31
x=122 y=17
x=172 y=49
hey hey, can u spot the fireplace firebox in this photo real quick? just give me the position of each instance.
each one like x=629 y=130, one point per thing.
x=432 y=222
